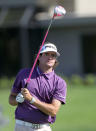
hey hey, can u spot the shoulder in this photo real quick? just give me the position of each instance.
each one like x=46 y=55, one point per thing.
x=23 y=72
x=60 y=80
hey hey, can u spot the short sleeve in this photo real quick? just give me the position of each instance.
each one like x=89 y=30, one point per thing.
x=16 y=88
x=60 y=91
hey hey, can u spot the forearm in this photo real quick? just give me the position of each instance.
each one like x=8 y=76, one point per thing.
x=12 y=100
x=49 y=109
x=46 y=108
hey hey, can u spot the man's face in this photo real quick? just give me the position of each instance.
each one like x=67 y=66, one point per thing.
x=47 y=59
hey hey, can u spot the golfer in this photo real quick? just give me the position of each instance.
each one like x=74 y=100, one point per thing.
x=38 y=104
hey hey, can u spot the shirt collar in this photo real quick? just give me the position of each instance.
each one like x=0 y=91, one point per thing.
x=47 y=75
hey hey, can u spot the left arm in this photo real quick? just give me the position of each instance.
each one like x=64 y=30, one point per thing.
x=49 y=109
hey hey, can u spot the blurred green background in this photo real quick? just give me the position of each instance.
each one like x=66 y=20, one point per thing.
x=78 y=114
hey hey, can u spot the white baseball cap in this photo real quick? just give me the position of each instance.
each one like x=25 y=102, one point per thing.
x=47 y=47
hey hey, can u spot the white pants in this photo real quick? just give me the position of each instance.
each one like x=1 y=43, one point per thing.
x=19 y=127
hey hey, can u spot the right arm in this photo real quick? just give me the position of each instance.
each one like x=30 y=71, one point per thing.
x=12 y=99
x=16 y=89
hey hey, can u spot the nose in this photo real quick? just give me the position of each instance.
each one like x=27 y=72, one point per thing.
x=50 y=57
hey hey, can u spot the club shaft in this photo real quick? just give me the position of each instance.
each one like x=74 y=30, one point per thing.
x=39 y=52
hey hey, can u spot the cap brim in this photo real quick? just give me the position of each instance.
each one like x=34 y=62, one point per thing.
x=57 y=53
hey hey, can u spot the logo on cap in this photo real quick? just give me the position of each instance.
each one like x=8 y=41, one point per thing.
x=49 y=47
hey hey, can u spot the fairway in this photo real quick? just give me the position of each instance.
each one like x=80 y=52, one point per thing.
x=78 y=114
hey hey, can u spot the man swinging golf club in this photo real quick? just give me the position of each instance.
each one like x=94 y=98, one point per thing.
x=38 y=104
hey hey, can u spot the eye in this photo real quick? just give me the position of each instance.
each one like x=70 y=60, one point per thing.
x=46 y=54
x=49 y=54
x=53 y=55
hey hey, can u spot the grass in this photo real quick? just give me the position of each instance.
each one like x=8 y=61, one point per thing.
x=8 y=110
x=78 y=114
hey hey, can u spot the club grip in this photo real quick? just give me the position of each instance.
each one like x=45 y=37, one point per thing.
x=26 y=85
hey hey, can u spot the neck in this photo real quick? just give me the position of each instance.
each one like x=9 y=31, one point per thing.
x=45 y=69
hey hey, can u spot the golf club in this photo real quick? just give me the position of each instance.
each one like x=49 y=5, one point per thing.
x=58 y=11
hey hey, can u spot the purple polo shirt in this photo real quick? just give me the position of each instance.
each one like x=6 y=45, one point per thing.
x=45 y=87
